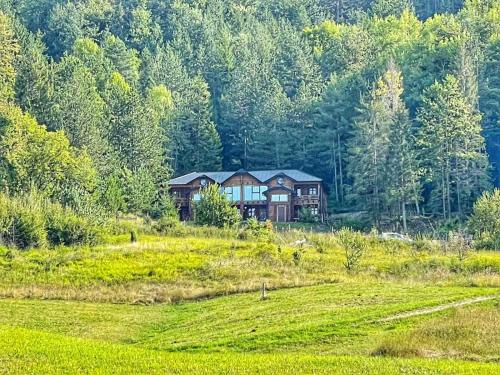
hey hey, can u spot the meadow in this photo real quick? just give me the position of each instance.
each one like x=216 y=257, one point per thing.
x=187 y=304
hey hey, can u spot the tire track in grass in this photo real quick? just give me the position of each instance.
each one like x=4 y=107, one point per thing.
x=446 y=306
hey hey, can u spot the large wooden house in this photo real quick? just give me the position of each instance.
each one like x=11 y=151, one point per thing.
x=277 y=195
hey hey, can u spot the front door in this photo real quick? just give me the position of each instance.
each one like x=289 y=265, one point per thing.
x=281 y=216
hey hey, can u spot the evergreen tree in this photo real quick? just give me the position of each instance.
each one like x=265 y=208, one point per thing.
x=135 y=134
x=34 y=81
x=8 y=50
x=79 y=110
x=385 y=8
x=125 y=61
x=402 y=159
x=196 y=143
x=452 y=148
x=369 y=150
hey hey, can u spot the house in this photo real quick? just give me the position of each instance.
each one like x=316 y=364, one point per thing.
x=277 y=195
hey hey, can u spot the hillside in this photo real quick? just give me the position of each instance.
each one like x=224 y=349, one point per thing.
x=406 y=307
x=394 y=104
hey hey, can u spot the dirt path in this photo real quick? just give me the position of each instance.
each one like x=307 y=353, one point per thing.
x=434 y=309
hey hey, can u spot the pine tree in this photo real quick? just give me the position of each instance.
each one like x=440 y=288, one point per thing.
x=126 y=61
x=34 y=81
x=452 y=148
x=78 y=110
x=403 y=170
x=135 y=133
x=9 y=47
x=368 y=151
x=197 y=146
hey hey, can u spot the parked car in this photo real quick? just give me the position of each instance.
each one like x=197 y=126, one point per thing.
x=395 y=236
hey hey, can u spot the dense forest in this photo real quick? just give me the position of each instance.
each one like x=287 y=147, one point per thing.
x=394 y=103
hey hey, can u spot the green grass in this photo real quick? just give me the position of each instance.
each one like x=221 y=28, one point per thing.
x=466 y=333
x=328 y=319
x=23 y=351
x=59 y=312
x=162 y=269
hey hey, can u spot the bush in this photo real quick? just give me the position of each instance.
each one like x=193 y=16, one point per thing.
x=29 y=221
x=64 y=227
x=21 y=222
x=306 y=215
x=485 y=220
x=257 y=231
x=354 y=245
x=28 y=227
x=214 y=209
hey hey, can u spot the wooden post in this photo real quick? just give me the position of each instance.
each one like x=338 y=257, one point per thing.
x=263 y=292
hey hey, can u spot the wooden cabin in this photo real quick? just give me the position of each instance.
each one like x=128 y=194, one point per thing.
x=276 y=195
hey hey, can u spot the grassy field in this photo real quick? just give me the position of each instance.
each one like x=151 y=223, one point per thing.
x=163 y=269
x=59 y=313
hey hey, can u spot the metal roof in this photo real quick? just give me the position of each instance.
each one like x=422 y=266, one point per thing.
x=294 y=174
x=262 y=176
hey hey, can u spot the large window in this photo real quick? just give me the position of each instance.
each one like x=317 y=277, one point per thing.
x=197 y=197
x=279 y=198
x=254 y=193
x=233 y=193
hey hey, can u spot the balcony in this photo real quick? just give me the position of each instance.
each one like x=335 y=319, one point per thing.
x=306 y=200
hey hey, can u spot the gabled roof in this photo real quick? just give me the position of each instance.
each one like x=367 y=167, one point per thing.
x=218 y=177
x=262 y=176
x=294 y=174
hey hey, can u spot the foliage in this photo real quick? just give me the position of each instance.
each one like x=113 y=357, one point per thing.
x=29 y=221
x=214 y=209
x=306 y=216
x=150 y=89
x=23 y=222
x=485 y=220
x=255 y=230
x=31 y=157
x=64 y=227
x=9 y=47
x=354 y=246
x=451 y=132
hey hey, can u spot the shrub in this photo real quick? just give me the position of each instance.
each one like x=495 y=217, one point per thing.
x=64 y=227
x=214 y=209
x=28 y=227
x=306 y=215
x=257 y=231
x=485 y=220
x=29 y=221
x=354 y=245
x=459 y=244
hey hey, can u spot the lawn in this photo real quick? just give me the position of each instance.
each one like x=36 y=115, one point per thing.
x=59 y=312
x=24 y=351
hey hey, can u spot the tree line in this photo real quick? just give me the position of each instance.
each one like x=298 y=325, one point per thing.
x=393 y=103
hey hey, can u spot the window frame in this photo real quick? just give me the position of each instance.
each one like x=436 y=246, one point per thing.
x=278 y=198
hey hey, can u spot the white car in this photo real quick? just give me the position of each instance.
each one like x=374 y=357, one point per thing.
x=395 y=236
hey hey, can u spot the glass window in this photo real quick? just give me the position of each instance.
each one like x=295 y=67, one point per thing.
x=233 y=193
x=313 y=191
x=196 y=197
x=254 y=193
x=299 y=192
x=314 y=211
x=279 y=198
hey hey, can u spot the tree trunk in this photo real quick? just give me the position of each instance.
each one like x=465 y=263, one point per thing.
x=403 y=208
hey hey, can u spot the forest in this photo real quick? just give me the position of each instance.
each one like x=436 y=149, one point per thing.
x=394 y=103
